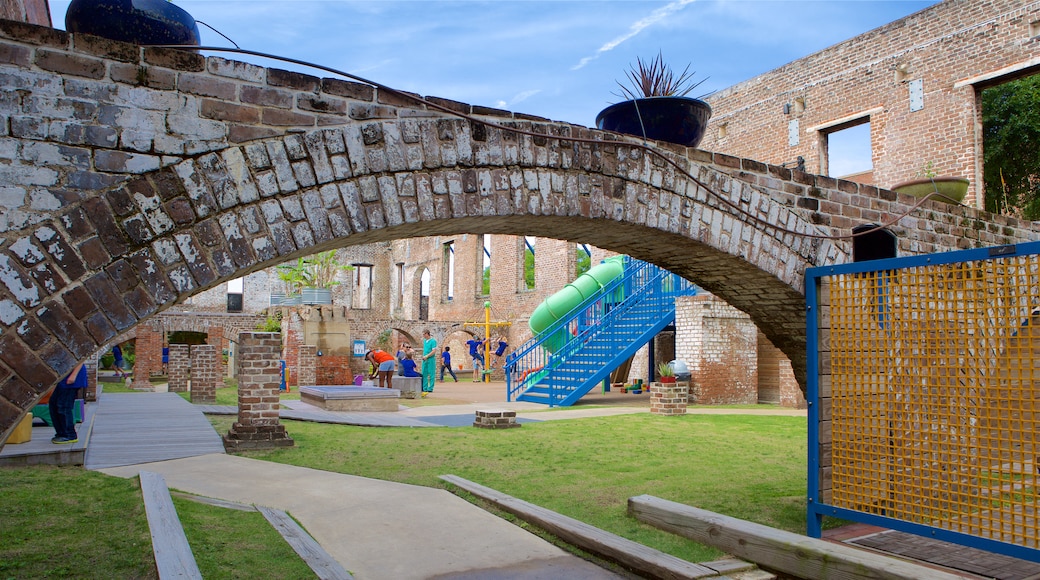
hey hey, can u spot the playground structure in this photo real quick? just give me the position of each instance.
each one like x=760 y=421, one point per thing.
x=485 y=373
x=590 y=328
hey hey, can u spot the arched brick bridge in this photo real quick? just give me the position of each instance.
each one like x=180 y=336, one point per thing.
x=133 y=178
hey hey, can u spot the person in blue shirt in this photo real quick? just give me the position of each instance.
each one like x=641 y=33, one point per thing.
x=446 y=364
x=408 y=367
x=117 y=354
x=62 y=403
x=476 y=351
x=501 y=350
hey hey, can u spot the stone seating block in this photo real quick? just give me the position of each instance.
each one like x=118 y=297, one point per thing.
x=351 y=398
x=495 y=419
x=410 y=387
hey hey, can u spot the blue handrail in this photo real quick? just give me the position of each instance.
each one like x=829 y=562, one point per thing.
x=591 y=340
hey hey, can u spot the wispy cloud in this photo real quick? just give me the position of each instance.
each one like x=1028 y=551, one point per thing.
x=518 y=98
x=637 y=27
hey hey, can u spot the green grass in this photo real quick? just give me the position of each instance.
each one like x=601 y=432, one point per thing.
x=65 y=522
x=71 y=523
x=229 y=543
x=749 y=467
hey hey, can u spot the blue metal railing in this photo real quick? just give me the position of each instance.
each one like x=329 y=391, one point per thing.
x=583 y=347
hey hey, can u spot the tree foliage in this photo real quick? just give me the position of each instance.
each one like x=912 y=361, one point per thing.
x=1011 y=141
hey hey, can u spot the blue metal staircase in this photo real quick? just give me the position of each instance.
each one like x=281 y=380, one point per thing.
x=580 y=350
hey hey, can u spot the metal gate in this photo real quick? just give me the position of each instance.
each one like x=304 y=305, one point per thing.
x=924 y=396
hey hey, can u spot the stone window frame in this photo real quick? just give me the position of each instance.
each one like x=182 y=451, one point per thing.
x=361 y=298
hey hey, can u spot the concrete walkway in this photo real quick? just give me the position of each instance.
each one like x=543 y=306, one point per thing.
x=378 y=530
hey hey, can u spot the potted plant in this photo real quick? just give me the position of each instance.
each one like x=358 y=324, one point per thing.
x=319 y=276
x=666 y=372
x=657 y=106
x=137 y=21
x=949 y=189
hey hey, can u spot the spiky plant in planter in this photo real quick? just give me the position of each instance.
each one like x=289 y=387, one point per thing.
x=657 y=106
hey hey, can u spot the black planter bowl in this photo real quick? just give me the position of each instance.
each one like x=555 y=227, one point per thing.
x=679 y=120
x=141 y=22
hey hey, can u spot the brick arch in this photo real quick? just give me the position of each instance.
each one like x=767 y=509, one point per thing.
x=150 y=175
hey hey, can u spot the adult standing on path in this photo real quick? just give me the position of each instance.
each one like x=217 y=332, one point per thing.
x=446 y=364
x=429 y=362
x=62 y=403
x=117 y=355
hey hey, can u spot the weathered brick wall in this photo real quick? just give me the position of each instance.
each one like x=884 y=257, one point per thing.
x=954 y=48
x=178 y=368
x=31 y=11
x=720 y=346
x=307 y=364
x=147 y=354
x=205 y=373
x=258 y=424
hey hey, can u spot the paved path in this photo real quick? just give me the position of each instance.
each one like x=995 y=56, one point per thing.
x=377 y=529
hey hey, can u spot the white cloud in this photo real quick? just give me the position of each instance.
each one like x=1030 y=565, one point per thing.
x=637 y=27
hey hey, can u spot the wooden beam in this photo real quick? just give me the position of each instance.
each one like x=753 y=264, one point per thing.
x=173 y=557
x=777 y=550
x=631 y=555
x=324 y=565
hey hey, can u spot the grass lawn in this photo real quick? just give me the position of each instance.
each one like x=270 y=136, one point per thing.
x=750 y=467
x=66 y=522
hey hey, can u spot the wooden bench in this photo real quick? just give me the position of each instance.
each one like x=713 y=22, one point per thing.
x=634 y=556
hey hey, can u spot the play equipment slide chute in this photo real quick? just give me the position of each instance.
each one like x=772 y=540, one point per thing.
x=572 y=295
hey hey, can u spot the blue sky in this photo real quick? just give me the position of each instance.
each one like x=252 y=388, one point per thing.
x=557 y=59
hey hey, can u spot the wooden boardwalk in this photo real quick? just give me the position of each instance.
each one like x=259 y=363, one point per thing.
x=133 y=428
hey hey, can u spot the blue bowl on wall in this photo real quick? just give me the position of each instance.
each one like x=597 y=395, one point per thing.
x=679 y=120
x=143 y=22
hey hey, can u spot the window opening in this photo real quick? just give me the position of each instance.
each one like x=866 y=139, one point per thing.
x=485 y=278
x=582 y=259
x=362 y=299
x=400 y=285
x=529 y=280
x=424 y=295
x=449 y=270
x=847 y=152
x=1011 y=148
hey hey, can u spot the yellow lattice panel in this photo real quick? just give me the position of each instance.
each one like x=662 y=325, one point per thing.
x=934 y=377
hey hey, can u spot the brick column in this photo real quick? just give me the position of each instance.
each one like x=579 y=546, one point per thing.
x=205 y=373
x=90 y=393
x=177 y=368
x=308 y=365
x=215 y=336
x=292 y=333
x=258 y=426
x=147 y=354
x=668 y=398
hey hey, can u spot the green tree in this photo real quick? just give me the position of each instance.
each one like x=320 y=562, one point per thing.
x=485 y=284
x=529 y=268
x=582 y=261
x=1011 y=141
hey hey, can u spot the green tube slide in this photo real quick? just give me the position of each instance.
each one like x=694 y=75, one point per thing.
x=573 y=294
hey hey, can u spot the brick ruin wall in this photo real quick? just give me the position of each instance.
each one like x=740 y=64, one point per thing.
x=953 y=49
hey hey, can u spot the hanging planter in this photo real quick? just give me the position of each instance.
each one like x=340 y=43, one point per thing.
x=316 y=295
x=657 y=107
x=950 y=189
x=143 y=22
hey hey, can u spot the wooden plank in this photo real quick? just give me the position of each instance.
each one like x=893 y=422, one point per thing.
x=323 y=564
x=222 y=503
x=173 y=557
x=632 y=555
x=777 y=550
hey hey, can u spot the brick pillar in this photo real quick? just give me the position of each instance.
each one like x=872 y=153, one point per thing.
x=668 y=398
x=292 y=336
x=205 y=373
x=177 y=368
x=147 y=354
x=308 y=365
x=258 y=426
x=215 y=336
x=90 y=393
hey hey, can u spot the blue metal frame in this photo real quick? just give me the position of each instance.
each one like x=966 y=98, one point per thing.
x=816 y=509
x=595 y=337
